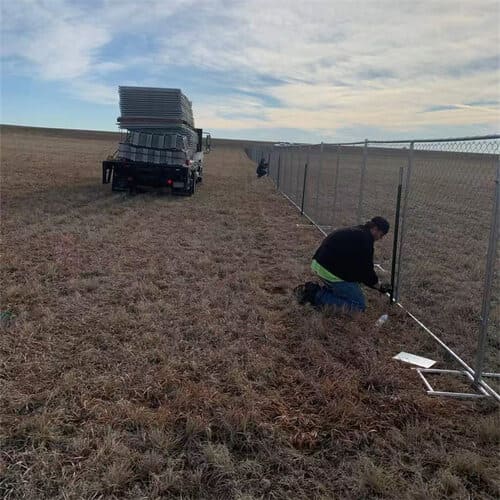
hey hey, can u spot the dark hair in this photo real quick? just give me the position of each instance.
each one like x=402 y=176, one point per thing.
x=380 y=223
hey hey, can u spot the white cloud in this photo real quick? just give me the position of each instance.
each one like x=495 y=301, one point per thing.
x=52 y=37
x=330 y=64
x=92 y=91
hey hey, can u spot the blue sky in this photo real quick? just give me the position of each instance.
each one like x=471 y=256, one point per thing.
x=321 y=70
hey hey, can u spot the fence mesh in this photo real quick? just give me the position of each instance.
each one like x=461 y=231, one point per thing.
x=447 y=225
x=448 y=193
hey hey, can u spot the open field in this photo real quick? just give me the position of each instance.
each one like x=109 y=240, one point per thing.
x=156 y=350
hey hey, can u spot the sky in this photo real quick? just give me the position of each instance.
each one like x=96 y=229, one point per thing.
x=297 y=71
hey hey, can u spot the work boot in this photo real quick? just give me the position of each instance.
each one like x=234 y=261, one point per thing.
x=306 y=293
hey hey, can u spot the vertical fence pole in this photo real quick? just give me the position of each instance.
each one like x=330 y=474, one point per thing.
x=362 y=180
x=286 y=170
x=402 y=225
x=318 y=178
x=289 y=176
x=396 y=235
x=488 y=281
x=270 y=165
x=297 y=177
x=304 y=183
x=279 y=172
x=335 y=185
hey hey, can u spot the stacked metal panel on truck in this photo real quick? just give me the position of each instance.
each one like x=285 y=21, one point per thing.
x=160 y=125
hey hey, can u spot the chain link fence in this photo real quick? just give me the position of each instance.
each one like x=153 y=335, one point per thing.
x=445 y=264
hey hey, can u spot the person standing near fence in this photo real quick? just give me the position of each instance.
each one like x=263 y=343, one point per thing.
x=343 y=261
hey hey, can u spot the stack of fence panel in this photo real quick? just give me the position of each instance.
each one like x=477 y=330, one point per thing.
x=150 y=155
x=160 y=124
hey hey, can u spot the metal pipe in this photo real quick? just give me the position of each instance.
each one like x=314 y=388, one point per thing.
x=274 y=166
x=285 y=171
x=396 y=235
x=279 y=172
x=335 y=185
x=297 y=177
x=319 y=228
x=289 y=171
x=362 y=180
x=304 y=184
x=402 y=225
x=426 y=382
x=449 y=139
x=439 y=370
x=406 y=141
x=318 y=178
x=431 y=391
x=459 y=395
x=488 y=281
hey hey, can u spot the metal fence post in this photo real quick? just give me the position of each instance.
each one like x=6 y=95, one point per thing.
x=304 y=183
x=318 y=178
x=362 y=180
x=288 y=170
x=278 y=174
x=402 y=225
x=396 y=235
x=336 y=183
x=297 y=177
x=488 y=281
x=270 y=169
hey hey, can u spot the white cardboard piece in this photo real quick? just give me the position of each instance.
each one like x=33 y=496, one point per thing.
x=414 y=359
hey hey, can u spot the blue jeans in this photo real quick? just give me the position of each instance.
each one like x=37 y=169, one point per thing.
x=343 y=294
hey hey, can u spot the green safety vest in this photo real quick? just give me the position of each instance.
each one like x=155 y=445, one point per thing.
x=324 y=273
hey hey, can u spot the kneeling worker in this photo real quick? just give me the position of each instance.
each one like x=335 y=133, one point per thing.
x=262 y=168
x=343 y=261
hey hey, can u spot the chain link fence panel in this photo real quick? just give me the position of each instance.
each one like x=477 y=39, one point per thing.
x=450 y=196
x=446 y=219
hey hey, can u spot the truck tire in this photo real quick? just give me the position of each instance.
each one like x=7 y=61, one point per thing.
x=192 y=187
x=119 y=182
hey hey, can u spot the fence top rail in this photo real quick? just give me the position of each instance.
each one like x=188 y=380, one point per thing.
x=402 y=141
x=449 y=139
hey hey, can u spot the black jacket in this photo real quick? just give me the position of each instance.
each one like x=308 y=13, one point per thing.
x=348 y=254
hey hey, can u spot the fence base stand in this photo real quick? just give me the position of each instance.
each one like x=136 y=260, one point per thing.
x=480 y=392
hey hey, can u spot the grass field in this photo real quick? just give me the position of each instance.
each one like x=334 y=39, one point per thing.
x=156 y=350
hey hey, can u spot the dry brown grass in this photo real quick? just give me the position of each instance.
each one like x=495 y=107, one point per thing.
x=156 y=350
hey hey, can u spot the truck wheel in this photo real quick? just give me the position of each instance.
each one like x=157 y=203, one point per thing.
x=192 y=188
x=119 y=182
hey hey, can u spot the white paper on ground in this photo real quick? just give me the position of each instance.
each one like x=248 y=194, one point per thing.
x=414 y=359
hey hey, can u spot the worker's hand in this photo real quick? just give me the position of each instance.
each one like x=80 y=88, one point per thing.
x=385 y=288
